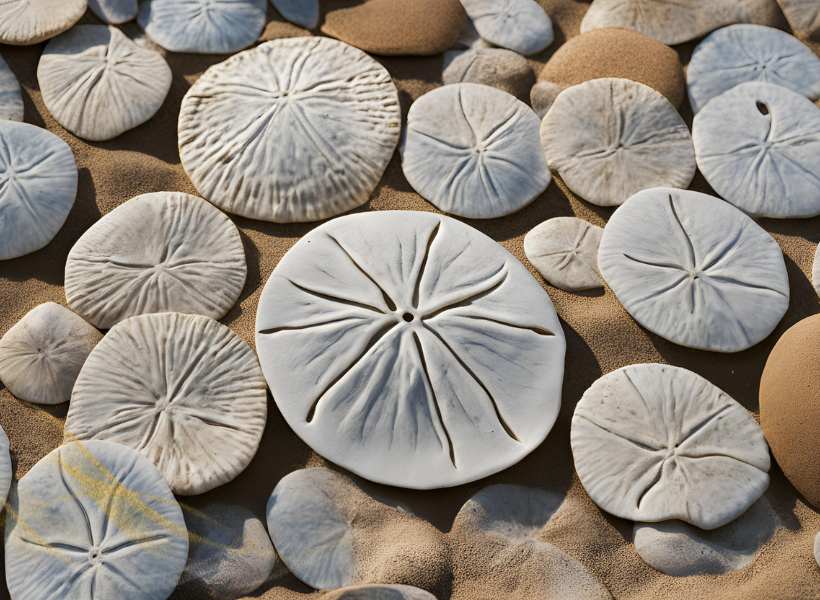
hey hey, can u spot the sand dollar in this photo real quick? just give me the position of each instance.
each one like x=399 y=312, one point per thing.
x=183 y=390
x=473 y=151
x=6 y=467
x=11 y=99
x=300 y=12
x=114 y=11
x=98 y=84
x=758 y=146
x=27 y=22
x=38 y=184
x=694 y=270
x=203 y=26
x=165 y=251
x=94 y=520
x=654 y=442
x=610 y=138
x=379 y=592
x=296 y=129
x=453 y=356
x=496 y=67
x=565 y=252
x=520 y=25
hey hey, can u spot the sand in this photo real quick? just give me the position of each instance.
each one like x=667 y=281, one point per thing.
x=600 y=337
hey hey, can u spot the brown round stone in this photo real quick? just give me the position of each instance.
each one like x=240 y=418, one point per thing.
x=617 y=53
x=790 y=405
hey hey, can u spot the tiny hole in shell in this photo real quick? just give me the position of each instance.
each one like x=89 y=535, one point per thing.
x=761 y=106
x=407 y=317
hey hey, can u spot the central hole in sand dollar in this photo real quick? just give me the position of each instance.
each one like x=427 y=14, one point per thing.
x=407 y=317
x=761 y=106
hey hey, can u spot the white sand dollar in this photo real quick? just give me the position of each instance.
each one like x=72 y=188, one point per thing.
x=114 y=11
x=565 y=252
x=183 y=390
x=203 y=26
x=520 y=25
x=11 y=99
x=610 y=138
x=473 y=151
x=299 y=12
x=453 y=357
x=654 y=442
x=38 y=184
x=694 y=270
x=815 y=272
x=27 y=22
x=94 y=520
x=758 y=146
x=379 y=592
x=297 y=129
x=159 y=252
x=740 y=53
x=98 y=84
x=41 y=355
x=6 y=468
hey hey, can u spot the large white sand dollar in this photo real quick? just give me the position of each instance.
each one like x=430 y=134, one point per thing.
x=565 y=252
x=203 y=26
x=94 y=520
x=27 y=22
x=11 y=100
x=654 y=442
x=520 y=25
x=473 y=151
x=452 y=360
x=183 y=390
x=38 y=184
x=758 y=146
x=98 y=83
x=114 y=11
x=694 y=270
x=165 y=251
x=296 y=129
x=610 y=138
x=6 y=467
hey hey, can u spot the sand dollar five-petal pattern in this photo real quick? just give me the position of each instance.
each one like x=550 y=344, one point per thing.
x=410 y=349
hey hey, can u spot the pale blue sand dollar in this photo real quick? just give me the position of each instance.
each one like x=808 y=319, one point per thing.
x=38 y=184
x=453 y=358
x=11 y=99
x=114 y=12
x=94 y=520
x=758 y=146
x=6 y=468
x=694 y=270
x=565 y=252
x=299 y=12
x=28 y=22
x=519 y=25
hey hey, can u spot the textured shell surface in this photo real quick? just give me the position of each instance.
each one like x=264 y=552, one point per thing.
x=565 y=252
x=27 y=22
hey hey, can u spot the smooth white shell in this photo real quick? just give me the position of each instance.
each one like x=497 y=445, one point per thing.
x=520 y=25
x=114 y=11
x=301 y=12
x=27 y=22
x=565 y=252
x=11 y=99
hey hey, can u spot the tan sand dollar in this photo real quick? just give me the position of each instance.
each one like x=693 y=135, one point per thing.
x=98 y=84
x=114 y=11
x=565 y=252
x=165 y=251
x=183 y=390
x=27 y=22
x=300 y=12
x=11 y=99
x=453 y=356
x=38 y=184
x=610 y=138
x=294 y=130
x=694 y=270
x=94 y=520
x=496 y=67
x=654 y=442
x=519 y=25
x=42 y=354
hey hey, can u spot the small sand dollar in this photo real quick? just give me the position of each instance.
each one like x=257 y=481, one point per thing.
x=301 y=12
x=38 y=184
x=203 y=26
x=565 y=252
x=114 y=11
x=27 y=22
x=183 y=390
x=758 y=146
x=520 y=25
x=379 y=592
x=694 y=270
x=473 y=151
x=98 y=84
x=11 y=100
x=453 y=358
x=165 y=251
x=610 y=138
x=6 y=468
x=654 y=442
x=296 y=129
x=94 y=520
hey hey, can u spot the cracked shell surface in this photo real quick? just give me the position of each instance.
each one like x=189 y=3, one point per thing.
x=27 y=22
x=758 y=146
x=379 y=592
x=300 y=12
x=38 y=184
x=694 y=270
x=294 y=130
x=519 y=25
x=473 y=151
x=11 y=98
x=159 y=252
x=114 y=11
x=653 y=442
x=6 y=468
x=610 y=138
x=453 y=356
x=565 y=252
x=183 y=390
x=740 y=53
x=94 y=520
x=42 y=354
x=203 y=26
x=98 y=84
